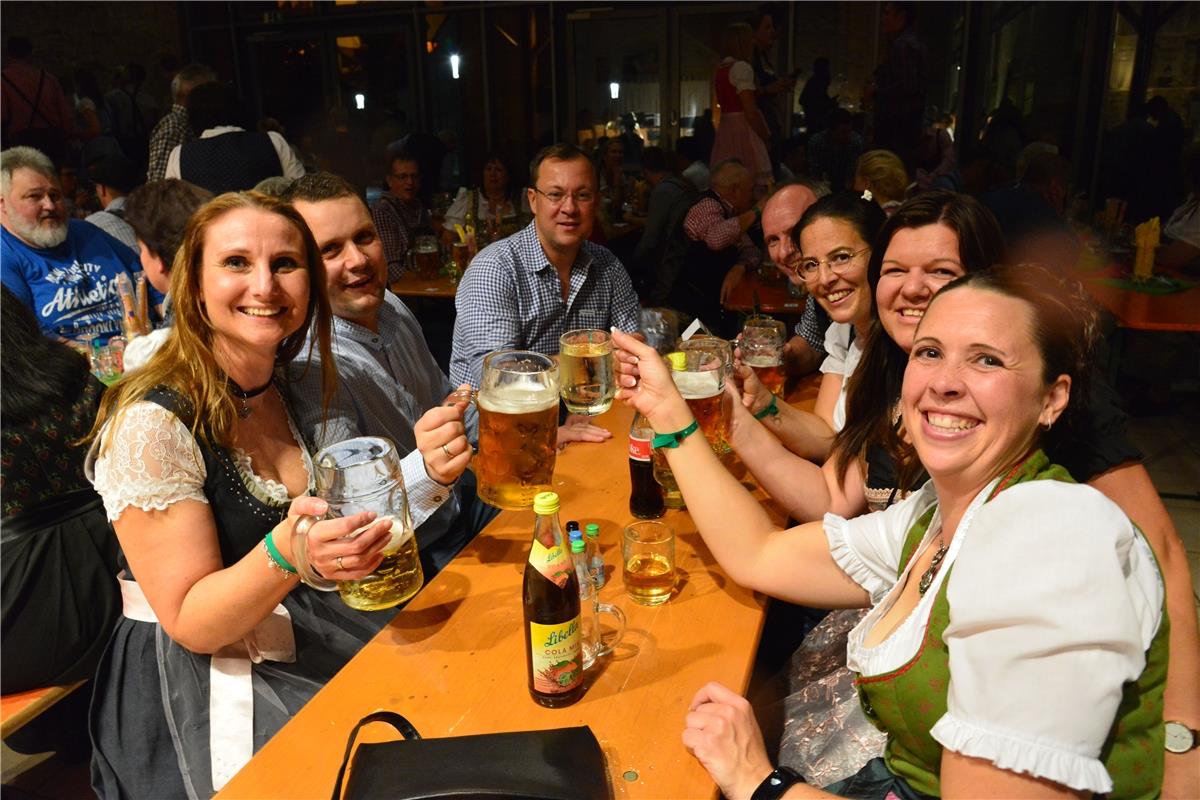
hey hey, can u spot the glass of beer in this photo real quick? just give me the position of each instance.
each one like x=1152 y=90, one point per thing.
x=585 y=371
x=427 y=257
x=363 y=474
x=708 y=362
x=762 y=350
x=648 y=562
x=518 y=427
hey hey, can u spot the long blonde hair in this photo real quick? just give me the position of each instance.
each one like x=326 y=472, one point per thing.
x=186 y=363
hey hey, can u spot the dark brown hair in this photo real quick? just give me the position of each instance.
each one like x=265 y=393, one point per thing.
x=558 y=152
x=159 y=212
x=874 y=387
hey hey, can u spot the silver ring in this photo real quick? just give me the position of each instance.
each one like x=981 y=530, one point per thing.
x=446 y=450
x=339 y=563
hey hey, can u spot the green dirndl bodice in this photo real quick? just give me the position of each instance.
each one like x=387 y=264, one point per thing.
x=908 y=701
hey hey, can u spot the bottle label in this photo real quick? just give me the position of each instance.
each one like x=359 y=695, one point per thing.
x=553 y=562
x=640 y=449
x=557 y=658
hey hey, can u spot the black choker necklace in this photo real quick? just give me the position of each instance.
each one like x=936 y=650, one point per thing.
x=246 y=394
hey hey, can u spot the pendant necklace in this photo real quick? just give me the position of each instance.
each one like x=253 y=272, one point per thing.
x=246 y=394
x=934 y=563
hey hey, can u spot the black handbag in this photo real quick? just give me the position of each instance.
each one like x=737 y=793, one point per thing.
x=558 y=764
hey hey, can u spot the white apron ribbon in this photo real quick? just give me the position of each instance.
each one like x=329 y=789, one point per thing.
x=231 y=687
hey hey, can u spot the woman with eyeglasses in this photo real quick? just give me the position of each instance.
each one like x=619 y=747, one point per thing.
x=833 y=245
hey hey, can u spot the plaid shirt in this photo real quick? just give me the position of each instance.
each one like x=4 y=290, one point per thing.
x=813 y=324
x=708 y=222
x=511 y=297
x=172 y=130
x=396 y=220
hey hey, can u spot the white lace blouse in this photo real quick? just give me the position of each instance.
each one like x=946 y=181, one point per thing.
x=151 y=461
x=1051 y=582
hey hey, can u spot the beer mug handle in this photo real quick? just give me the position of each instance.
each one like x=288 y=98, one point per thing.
x=604 y=646
x=467 y=396
x=300 y=553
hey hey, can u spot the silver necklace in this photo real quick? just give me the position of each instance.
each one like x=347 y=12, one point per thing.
x=244 y=395
x=928 y=575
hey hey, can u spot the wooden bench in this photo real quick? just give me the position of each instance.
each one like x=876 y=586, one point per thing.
x=18 y=709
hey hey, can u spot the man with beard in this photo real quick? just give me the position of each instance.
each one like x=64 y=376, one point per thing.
x=64 y=270
x=389 y=383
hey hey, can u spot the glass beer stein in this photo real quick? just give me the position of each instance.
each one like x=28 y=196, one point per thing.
x=363 y=474
x=762 y=344
x=707 y=364
x=518 y=427
x=585 y=369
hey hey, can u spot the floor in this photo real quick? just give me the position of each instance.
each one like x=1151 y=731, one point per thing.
x=1168 y=437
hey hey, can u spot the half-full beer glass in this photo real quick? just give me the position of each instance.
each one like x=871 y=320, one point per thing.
x=762 y=350
x=363 y=474
x=585 y=370
x=518 y=427
x=707 y=363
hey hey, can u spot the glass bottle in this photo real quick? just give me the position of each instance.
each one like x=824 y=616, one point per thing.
x=672 y=497
x=645 y=495
x=595 y=561
x=550 y=594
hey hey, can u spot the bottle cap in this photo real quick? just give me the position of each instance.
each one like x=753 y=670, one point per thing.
x=545 y=503
x=593 y=529
x=577 y=546
x=575 y=534
x=678 y=361
x=572 y=525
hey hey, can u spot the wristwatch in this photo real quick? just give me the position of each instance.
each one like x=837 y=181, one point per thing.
x=779 y=781
x=1180 y=738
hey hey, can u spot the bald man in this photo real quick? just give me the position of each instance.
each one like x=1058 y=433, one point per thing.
x=719 y=251
x=782 y=211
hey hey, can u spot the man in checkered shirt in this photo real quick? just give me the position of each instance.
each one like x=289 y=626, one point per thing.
x=399 y=212
x=527 y=290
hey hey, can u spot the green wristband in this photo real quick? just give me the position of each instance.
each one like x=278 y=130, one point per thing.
x=276 y=556
x=770 y=411
x=673 y=439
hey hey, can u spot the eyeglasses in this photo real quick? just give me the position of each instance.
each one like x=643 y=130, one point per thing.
x=557 y=197
x=837 y=262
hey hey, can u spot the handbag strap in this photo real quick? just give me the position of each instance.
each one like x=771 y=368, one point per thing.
x=397 y=721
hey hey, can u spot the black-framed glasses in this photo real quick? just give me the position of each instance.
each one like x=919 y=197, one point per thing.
x=837 y=262
x=557 y=197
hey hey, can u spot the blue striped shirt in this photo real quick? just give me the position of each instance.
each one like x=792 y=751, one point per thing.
x=511 y=297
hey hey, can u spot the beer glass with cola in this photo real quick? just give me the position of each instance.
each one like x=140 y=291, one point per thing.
x=707 y=362
x=518 y=427
x=585 y=369
x=364 y=474
x=762 y=350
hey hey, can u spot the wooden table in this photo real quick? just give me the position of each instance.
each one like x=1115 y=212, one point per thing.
x=410 y=285
x=453 y=661
x=1149 y=312
x=771 y=298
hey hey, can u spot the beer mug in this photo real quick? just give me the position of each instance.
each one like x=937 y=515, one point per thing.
x=761 y=344
x=426 y=257
x=356 y=475
x=708 y=362
x=585 y=370
x=518 y=427
x=648 y=562
x=595 y=644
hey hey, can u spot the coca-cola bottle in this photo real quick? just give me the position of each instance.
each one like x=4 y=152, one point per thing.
x=645 y=495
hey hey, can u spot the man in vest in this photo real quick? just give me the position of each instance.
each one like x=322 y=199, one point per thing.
x=719 y=251
x=114 y=177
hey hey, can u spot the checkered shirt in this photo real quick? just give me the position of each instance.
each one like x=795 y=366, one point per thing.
x=172 y=130
x=396 y=220
x=511 y=297
x=812 y=325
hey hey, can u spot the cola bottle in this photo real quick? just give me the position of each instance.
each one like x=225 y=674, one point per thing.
x=645 y=495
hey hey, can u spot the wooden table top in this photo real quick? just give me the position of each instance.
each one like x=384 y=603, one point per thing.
x=772 y=298
x=453 y=661
x=410 y=285
x=1148 y=312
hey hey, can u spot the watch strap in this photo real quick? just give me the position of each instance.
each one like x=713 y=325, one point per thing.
x=779 y=781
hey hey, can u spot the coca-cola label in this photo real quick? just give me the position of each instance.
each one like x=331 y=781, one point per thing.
x=640 y=449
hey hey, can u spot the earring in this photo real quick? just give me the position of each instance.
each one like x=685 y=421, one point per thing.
x=1046 y=426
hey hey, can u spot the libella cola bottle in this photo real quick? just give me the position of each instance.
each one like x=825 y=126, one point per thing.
x=553 y=638
x=645 y=495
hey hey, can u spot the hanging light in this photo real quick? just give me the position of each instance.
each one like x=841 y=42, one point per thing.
x=455 y=59
x=614 y=90
x=360 y=101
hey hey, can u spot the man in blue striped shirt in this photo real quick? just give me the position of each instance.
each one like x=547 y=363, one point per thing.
x=389 y=383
